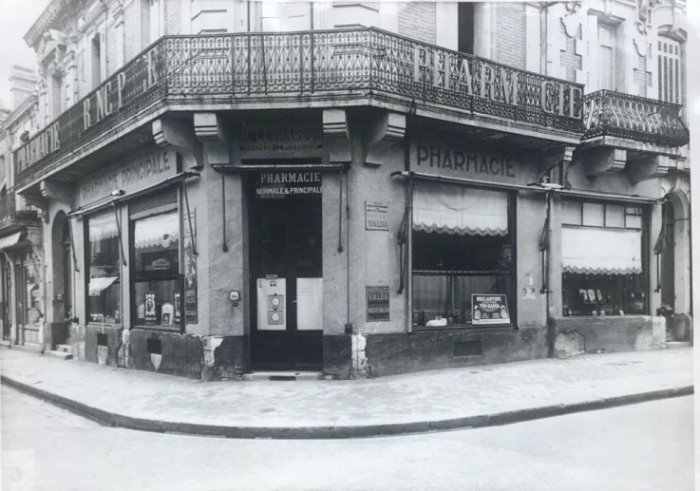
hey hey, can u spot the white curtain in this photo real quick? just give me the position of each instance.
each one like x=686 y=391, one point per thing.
x=158 y=230
x=452 y=209
x=601 y=251
x=102 y=226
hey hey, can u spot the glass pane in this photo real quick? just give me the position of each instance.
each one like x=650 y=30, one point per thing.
x=157 y=293
x=603 y=295
x=104 y=298
x=593 y=214
x=614 y=216
x=571 y=212
x=33 y=312
x=430 y=298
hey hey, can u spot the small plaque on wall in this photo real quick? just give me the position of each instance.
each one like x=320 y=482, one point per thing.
x=377 y=303
x=376 y=216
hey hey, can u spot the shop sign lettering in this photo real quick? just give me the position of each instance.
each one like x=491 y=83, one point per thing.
x=475 y=77
x=376 y=216
x=270 y=138
x=118 y=91
x=475 y=163
x=129 y=176
x=278 y=185
x=377 y=303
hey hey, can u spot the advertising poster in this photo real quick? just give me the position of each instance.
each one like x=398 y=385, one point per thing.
x=488 y=309
x=377 y=303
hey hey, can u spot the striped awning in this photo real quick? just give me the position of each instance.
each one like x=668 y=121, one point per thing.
x=601 y=251
x=10 y=240
x=102 y=226
x=451 y=209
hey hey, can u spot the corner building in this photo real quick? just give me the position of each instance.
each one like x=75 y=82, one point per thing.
x=353 y=190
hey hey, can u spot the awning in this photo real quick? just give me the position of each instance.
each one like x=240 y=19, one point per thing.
x=451 y=209
x=97 y=285
x=157 y=230
x=10 y=240
x=102 y=226
x=601 y=251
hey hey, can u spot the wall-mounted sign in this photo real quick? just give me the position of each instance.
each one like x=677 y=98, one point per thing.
x=272 y=307
x=489 y=309
x=376 y=216
x=138 y=173
x=259 y=138
x=279 y=184
x=377 y=303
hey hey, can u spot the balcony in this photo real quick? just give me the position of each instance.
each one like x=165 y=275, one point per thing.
x=361 y=66
x=609 y=113
x=11 y=218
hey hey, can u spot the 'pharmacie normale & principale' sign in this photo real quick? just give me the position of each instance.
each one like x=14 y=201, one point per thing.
x=138 y=173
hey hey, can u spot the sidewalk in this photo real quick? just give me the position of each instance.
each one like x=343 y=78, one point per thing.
x=424 y=401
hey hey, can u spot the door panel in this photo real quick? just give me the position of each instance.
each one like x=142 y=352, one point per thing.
x=285 y=244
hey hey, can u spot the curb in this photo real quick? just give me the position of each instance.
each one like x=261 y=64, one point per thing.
x=107 y=418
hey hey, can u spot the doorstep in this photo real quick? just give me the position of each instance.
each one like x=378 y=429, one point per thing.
x=283 y=375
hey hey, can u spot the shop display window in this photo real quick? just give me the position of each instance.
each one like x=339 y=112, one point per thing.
x=461 y=246
x=103 y=282
x=603 y=295
x=157 y=281
x=604 y=271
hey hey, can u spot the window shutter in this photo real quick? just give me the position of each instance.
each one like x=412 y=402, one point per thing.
x=670 y=77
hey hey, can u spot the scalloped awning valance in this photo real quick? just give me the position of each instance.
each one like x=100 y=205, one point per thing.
x=601 y=251
x=451 y=209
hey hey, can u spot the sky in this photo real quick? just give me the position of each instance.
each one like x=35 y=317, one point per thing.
x=16 y=16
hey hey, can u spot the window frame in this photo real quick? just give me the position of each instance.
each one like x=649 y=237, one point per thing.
x=177 y=327
x=642 y=210
x=87 y=263
x=511 y=298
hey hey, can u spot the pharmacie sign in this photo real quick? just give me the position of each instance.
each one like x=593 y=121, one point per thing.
x=475 y=77
x=279 y=185
x=136 y=78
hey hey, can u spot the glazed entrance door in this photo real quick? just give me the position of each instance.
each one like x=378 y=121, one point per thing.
x=286 y=271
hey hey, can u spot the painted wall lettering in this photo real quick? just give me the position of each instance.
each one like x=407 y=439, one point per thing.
x=475 y=163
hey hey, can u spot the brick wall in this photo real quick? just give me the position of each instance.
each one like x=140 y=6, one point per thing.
x=510 y=38
x=417 y=20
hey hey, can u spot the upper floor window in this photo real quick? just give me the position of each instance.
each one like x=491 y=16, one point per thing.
x=465 y=25
x=151 y=28
x=96 y=61
x=670 y=70
x=57 y=92
x=607 y=62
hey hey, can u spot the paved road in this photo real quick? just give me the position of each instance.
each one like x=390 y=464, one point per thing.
x=642 y=447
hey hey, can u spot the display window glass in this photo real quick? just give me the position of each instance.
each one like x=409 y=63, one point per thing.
x=603 y=267
x=157 y=283
x=462 y=246
x=103 y=258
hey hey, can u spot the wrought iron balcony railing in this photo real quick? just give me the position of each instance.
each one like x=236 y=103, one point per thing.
x=609 y=113
x=301 y=66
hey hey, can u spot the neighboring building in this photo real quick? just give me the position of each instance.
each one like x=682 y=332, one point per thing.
x=384 y=187
x=22 y=302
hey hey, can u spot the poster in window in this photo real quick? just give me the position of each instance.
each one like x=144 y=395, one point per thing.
x=489 y=309
x=149 y=313
x=190 y=270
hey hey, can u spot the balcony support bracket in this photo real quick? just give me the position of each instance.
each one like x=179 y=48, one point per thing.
x=213 y=133
x=600 y=160
x=648 y=167
x=385 y=130
x=180 y=135
x=336 y=132
x=51 y=191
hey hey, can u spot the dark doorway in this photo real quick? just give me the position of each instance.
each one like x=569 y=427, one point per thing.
x=285 y=270
x=5 y=289
x=668 y=293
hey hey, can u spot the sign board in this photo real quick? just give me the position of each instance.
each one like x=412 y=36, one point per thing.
x=489 y=309
x=376 y=216
x=309 y=304
x=377 y=303
x=283 y=184
x=272 y=315
x=258 y=139
x=133 y=175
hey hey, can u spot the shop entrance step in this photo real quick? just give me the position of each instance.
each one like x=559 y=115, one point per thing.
x=60 y=354
x=678 y=344
x=66 y=348
x=283 y=376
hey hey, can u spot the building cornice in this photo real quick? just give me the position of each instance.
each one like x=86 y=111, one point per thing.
x=50 y=17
